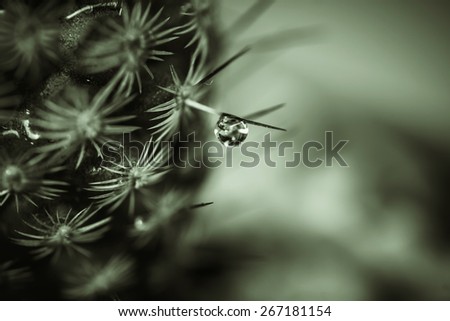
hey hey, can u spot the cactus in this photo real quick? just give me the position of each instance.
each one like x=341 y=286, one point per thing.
x=78 y=77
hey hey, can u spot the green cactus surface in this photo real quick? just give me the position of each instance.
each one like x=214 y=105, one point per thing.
x=79 y=79
x=98 y=103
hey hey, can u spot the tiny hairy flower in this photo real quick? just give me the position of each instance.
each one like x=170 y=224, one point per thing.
x=199 y=24
x=89 y=280
x=74 y=120
x=128 y=44
x=25 y=176
x=187 y=94
x=28 y=38
x=54 y=233
x=162 y=212
x=133 y=176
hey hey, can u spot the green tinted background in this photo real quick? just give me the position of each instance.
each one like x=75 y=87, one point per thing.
x=375 y=73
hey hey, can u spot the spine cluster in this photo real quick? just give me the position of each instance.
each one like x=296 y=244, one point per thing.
x=74 y=78
x=78 y=79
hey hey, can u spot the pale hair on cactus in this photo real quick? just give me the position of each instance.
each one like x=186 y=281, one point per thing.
x=74 y=120
x=131 y=176
x=25 y=176
x=187 y=94
x=172 y=113
x=90 y=280
x=161 y=211
x=28 y=37
x=198 y=12
x=128 y=44
x=54 y=234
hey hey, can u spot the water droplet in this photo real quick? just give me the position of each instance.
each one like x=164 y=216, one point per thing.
x=231 y=131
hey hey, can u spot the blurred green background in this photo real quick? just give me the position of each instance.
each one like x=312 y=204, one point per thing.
x=377 y=74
